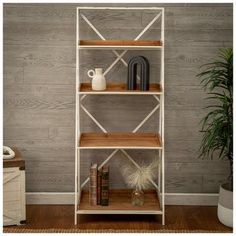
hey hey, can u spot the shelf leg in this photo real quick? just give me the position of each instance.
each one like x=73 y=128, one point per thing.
x=76 y=187
x=77 y=128
x=159 y=169
x=162 y=118
x=163 y=188
x=75 y=218
x=163 y=219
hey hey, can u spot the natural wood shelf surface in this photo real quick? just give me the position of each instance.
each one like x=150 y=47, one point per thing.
x=121 y=88
x=119 y=43
x=120 y=140
x=120 y=200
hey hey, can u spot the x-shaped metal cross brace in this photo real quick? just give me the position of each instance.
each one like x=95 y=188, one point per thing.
x=120 y=57
x=122 y=150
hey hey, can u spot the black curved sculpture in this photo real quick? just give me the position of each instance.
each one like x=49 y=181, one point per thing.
x=132 y=73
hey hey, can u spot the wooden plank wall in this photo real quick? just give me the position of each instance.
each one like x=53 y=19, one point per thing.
x=39 y=94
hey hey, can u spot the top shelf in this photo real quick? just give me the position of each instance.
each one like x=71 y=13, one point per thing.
x=120 y=8
x=120 y=44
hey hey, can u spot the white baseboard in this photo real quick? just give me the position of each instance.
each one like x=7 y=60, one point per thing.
x=201 y=199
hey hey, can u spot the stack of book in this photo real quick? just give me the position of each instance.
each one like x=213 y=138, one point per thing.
x=99 y=185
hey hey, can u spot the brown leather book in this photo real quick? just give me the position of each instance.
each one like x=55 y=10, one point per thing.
x=93 y=185
x=105 y=186
x=99 y=188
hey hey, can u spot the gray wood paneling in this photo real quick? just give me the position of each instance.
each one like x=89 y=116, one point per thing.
x=197 y=17
x=39 y=119
x=211 y=182
x=38 y=182
x=14 y=133
x=39 y=93
x=180 y=182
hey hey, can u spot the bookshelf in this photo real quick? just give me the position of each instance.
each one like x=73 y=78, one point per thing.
x=120 y=199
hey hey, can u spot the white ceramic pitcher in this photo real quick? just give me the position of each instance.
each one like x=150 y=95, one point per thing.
x=98 y=79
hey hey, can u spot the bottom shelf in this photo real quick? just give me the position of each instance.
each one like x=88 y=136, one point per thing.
x=120 y=203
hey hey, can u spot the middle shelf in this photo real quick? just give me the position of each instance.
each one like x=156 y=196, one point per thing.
x=120 y=140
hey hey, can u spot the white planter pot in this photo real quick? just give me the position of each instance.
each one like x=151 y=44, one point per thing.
x=225 y=205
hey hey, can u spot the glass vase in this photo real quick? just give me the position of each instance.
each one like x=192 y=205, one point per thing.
x=137 y=197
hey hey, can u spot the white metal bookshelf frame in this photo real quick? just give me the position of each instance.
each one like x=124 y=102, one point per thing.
x=158 y=96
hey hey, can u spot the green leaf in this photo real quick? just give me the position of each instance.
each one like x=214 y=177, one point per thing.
x=217 y=126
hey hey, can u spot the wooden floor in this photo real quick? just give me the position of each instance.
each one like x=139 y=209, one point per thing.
x=177 y=218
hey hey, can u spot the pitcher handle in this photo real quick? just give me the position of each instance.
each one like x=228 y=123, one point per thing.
x=89 y=73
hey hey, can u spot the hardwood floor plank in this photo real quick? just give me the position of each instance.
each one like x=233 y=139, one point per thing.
x=177 y=218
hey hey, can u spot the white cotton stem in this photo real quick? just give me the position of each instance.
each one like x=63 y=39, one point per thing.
x=139 y=178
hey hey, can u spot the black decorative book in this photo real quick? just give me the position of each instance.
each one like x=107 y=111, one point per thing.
x=105 y=186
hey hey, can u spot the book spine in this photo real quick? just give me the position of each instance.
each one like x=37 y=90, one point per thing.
x=99 y=188
x=93 y=187
x=105 y=187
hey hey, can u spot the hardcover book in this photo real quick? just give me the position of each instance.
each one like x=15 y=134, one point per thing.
x=99 y=188
x=93 y=185
x=105 y=186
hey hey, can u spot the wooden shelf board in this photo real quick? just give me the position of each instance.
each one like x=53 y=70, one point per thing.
x=86 y=88
x=120 y=140
x=119 y=43
x=120 y=203
x=111 y=47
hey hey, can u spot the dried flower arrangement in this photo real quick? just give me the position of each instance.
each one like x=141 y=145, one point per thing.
x=139 y=178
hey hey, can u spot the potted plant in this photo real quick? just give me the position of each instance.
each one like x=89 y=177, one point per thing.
x=217 y=125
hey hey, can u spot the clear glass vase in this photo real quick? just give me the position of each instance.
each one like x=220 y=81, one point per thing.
x=137 y=197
